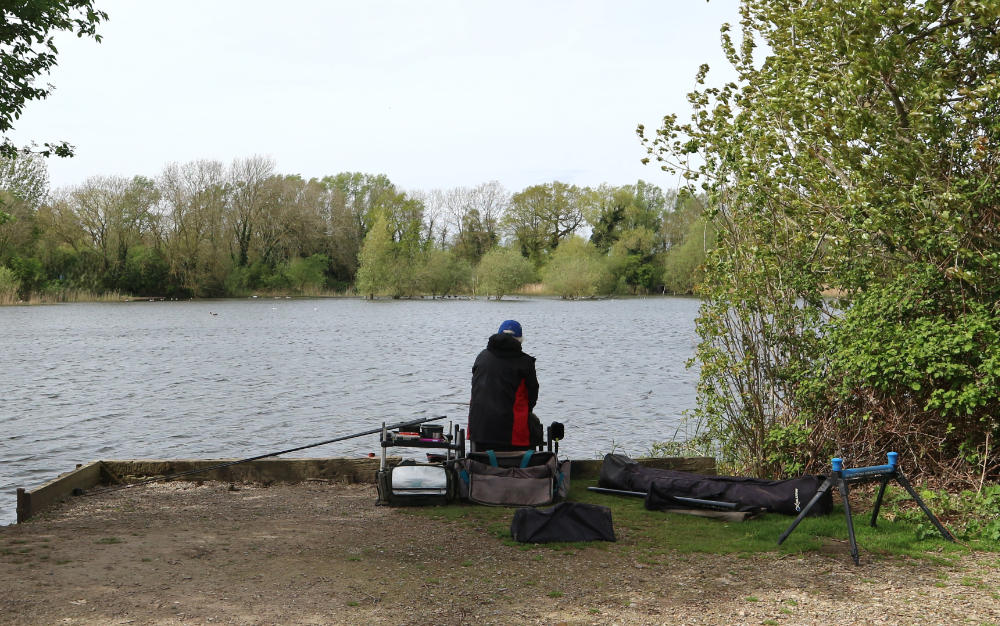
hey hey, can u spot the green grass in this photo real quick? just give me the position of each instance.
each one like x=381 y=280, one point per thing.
x=656 y=537
x=108 y=540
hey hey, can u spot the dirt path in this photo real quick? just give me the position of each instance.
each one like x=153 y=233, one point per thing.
x=319 y=553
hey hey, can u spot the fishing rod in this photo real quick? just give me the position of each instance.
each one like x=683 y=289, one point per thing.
x=699 y=502
x=373 y=431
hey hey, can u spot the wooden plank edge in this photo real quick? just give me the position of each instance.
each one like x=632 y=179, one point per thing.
x=30 y=503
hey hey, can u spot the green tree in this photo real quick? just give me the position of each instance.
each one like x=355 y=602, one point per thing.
x=195 y=241
x=859 y=154
x=444 y=273
x=18 y=229
x=503 y=271
x=351 y=205
x=684 y=264
x=577 y=270
x=473 y=240
x=145 y=272
x=612 y=211
x=625 y=223
x=308 y=275
x=677 y=222
x=246 y=205
x=471 y=217
x=10 y=286
x=29 y=273
x=393 y=254
x=112 y=214
x=24 y=183
x=633 y=259
x=292 y=224
x=26 y=178
x=540 y=216
x=64 y=247
x=28 y=51
x=377 y=262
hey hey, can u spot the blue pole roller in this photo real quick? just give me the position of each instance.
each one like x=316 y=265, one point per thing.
x=872 y=470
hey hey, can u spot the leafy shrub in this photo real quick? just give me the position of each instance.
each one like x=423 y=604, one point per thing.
x=9 y=286
x=444 y=273
x=502 y=271
x=577 y=270
x=970 y=515
x=309 y=273
x=917 y=365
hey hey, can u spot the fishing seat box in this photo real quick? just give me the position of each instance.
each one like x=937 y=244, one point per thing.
x=416 y=484
x=512 y=478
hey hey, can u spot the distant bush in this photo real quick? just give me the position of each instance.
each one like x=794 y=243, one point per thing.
x=577 y=270
x=9 y=286
x=308 y=274
x=683 y=267
x=502 y=271
x=444 y=273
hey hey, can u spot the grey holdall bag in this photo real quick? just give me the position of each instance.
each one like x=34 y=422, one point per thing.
x=512 y=478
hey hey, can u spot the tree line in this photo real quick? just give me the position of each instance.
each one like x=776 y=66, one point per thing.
x=206 y=229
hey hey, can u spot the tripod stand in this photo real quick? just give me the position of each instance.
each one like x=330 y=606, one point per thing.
x=842 y=478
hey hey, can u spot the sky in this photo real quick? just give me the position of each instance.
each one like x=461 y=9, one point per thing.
x=433 y=94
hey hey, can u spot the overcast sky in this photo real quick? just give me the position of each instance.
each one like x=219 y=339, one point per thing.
x=434 y=94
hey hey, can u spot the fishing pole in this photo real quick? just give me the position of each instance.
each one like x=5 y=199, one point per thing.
x=699 y=502
x=262 y=456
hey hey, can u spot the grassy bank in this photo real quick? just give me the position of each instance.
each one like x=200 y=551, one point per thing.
x=654 y=537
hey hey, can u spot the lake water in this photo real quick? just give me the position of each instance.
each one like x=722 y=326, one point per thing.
x=239 y=378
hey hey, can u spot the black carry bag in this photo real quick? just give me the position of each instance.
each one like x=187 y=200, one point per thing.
x=566 y=521
x=750 y=494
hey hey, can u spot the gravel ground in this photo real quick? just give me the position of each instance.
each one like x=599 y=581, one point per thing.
x=322 y=553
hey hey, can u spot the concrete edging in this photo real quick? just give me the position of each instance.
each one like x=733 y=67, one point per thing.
x=267 y=471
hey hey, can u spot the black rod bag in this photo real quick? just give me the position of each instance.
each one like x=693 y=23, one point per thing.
x=566 y=521
x=775 y=496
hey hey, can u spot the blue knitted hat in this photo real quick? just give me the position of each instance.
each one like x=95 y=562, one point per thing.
x=510 y=327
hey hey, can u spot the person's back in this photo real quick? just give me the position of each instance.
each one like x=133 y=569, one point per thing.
x=504 y=393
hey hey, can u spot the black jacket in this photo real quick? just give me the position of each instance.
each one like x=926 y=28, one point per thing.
x=504 y=392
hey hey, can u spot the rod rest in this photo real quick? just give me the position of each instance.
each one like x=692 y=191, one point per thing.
x=841 y=478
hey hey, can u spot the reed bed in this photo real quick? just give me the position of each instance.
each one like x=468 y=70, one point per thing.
x=61 y=295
